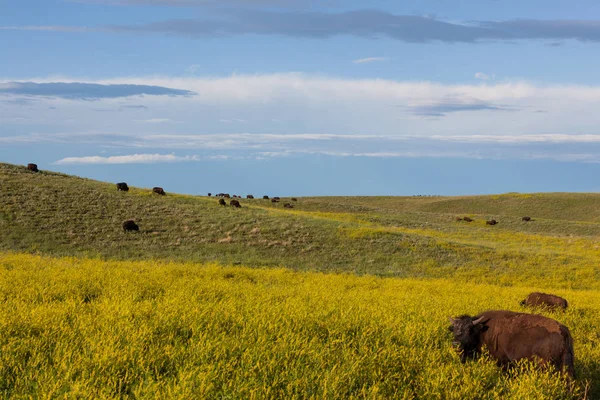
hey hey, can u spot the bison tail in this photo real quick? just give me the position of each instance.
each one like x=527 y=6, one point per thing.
x=568 y=359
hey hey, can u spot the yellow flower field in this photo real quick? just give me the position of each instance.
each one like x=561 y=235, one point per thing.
x=74 y=327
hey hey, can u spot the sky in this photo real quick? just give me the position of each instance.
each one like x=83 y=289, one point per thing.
x=302 y=97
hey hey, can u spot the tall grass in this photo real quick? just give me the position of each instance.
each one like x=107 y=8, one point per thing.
x=74 y=327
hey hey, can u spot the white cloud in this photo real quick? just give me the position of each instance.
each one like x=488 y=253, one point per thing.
x=483 y=76
x=369 y=60
x=128 y=159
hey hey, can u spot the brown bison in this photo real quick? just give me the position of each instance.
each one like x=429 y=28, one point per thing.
x=294 y=199
x=491 y=222
x=158 y=190
x=511 y=336
x=551 y=301
x=226 y=195
x=222 y=202
x=459 y=218
x=209 y=194
x=130 y=225
x=467 y=219
x=235 y=203
x=249 y=196
x=288 y=205
x=275 y=200
x=265 y=197
x=526 y=219
x=122 y=186
x=32 y=167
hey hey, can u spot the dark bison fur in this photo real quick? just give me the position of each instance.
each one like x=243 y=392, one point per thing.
x=130 y=225
x=32 y=167
x=537 y=299
x=511 y=336
x=122 y=186
x=158 y=190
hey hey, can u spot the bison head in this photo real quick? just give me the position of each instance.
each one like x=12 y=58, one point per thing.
x=467 y=332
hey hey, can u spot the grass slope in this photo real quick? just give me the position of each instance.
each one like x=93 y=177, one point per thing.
x=403 y=237
x=80 y=328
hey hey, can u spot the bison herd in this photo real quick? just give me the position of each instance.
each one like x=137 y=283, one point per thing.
x=511 y=336
x=491 y=221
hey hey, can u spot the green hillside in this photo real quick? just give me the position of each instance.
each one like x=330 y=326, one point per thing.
x=390 y=236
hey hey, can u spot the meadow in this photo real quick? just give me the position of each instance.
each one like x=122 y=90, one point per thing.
x=340 y=297
x=72 y=327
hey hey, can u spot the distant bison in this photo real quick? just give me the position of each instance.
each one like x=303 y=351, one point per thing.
x=294 y=199
x=491 y=222
x=226 y=195
x=158 y=190
x=538 y=299
x=32 y=167
x=235 y=203
x=210 y=194
x=265 y=197
x=130 y=225
x=467 y=219
x=275 y=200
x=526 y=219
x=222 y=202
x=249 y=196
x=459 y=218
x=511 y=336
x=122 y=186
x=288 y=205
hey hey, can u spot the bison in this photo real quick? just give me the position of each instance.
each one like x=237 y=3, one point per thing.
x=130 y=225
x=275 y=200
x=294 y=199
x=222 y=202
x=249 y=196
x=288 y=205
x=551 y=301
x=158 y=190
x=265 y=197
x=226 y=195
x=209 y=194
x=511 y=336
x=526 y=219
x=122 y=186
x=491 y=222
x=235 y=203
x=467 y=219
x=459 y=218
x=32 y=167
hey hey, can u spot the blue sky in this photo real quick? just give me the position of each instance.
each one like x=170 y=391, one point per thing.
x=305 y=97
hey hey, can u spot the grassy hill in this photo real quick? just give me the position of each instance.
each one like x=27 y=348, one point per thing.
x=388 y=236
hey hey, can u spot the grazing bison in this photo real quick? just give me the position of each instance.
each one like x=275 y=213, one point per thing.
x=526 y=219
x=32 y=167
x=275 y=200
x=288 y=205
x=122 y=186
x=491 y=222
x=130 y=225
x=249 y=196
x=235 y=203
x=226 y=195
x=158 y=190
x=294 y=199
x=222 y=202
x=210 y=194
x=467 y=219
x=265 y=197
x=537 y=299
x=459 y=218
x=511 y=336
